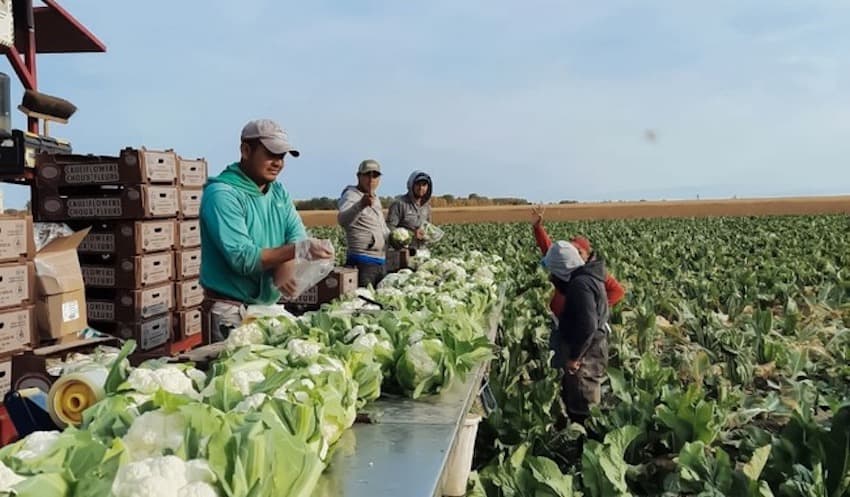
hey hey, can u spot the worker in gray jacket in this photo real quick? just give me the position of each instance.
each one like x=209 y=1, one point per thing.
x=413 y=209
x=362 y=218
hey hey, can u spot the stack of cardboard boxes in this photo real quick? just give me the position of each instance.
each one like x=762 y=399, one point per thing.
x=42 y=302
x=187 y=257
x=136 y=207
x=60 y=291
x=17 y=290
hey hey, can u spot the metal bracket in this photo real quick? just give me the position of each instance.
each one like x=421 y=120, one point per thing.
x=488 y=400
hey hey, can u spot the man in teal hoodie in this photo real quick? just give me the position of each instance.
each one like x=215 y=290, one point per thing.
x=250 y=230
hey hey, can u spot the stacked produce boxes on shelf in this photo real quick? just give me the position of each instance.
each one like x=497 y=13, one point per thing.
x=187 y=258
x=132 y=203
x=17 y=292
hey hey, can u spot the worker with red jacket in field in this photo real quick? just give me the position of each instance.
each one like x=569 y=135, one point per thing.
x=613 y=289
x=579 y=338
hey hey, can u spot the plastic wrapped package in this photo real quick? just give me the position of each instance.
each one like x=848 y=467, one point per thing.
x=44 y=233
x=307 y=270
x=433 y=233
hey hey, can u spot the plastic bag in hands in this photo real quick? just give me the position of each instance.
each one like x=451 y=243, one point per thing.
x=308 y=270
x=303 y=253
x=433 y=234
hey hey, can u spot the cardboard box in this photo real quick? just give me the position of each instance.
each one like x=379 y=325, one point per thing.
x=131 y=167
x=61 y=306
x=62 y=314
x=188 y=323
x=192 y=172
x=16 y=240
x=106 y=203
x=128 y=238
x=29 y=370
x=397 y=259
x=148 y=334
x=129 y=305
x=17 y=330
x=189 y=233
x=128 y=272
x=190 y=202
x=187 y=263
x=341 y=281
x=17 y=285
x=188 y=294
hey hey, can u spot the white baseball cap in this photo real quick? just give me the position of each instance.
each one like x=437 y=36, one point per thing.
x=271 y=135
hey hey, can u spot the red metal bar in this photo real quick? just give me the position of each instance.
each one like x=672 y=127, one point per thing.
x=186 y=344
x=20 y=68
x=32 y=123
x=29 y=58
x=22 y=55
x=25 y=36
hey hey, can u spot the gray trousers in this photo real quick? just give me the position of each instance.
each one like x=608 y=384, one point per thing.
x=370 y=274
x=582 y=390
x=222 y=317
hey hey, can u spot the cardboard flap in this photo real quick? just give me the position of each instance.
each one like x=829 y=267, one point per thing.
x=63 y=243
x=59 y=273
x=58 y=266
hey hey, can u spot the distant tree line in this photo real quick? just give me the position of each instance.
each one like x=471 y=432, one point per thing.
x=14 y=212
x=473 y=200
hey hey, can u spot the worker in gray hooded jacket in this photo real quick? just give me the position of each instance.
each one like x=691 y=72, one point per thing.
x=366 y=232
x=580 y=338
x=413 y=209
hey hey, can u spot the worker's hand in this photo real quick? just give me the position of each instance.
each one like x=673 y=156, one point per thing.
x=572 y=366
x=537 y=213
x=367 y=200
x=312 y=249
x=420 y=234
x=321 y=250
x=287 y=285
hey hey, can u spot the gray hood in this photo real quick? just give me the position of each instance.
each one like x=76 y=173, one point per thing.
x=562 y=259
x=417 y=176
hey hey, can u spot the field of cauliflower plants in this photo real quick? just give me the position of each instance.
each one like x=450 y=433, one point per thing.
x=729 y=371
x=729 y=375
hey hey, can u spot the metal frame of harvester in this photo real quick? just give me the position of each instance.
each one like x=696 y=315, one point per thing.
x=27 y=30
x=48 y=29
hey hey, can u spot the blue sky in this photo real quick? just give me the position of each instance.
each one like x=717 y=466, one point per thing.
x=545 y=100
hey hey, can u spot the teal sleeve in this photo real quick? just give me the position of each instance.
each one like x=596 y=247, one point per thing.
x=295 y=230
x=224 y=219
